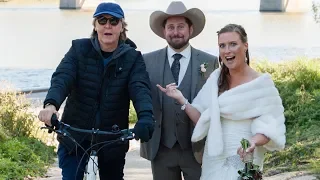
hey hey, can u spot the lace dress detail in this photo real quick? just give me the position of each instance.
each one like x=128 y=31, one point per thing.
x=234 y=161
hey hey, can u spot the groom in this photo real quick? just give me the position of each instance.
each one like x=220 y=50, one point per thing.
x=170 y=150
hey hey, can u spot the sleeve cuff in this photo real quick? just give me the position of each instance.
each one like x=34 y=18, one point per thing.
x=269 y=127
x=53 y=102
x=145 y=115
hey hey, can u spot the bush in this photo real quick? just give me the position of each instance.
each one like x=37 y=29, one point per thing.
x=21 y=154
x=298 y=83
x=14 y=115
x=132 y=114
x=23 y=157
x=3 y=134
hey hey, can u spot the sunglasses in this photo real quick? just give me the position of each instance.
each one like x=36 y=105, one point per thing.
x=113 y=21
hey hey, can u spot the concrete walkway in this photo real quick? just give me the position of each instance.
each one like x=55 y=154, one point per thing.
x=136 y=168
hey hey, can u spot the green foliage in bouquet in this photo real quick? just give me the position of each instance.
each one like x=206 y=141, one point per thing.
x=250 y=171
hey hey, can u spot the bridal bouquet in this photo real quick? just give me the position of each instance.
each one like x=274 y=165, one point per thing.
x=250 y=171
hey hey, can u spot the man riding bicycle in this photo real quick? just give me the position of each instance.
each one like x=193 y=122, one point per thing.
x=99 y=76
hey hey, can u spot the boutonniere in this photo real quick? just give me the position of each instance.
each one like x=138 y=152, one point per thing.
x=203 y=68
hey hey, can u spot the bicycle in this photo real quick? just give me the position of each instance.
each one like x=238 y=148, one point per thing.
x=92 y=164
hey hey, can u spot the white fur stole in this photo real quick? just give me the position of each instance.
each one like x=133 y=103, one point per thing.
x=258 y=100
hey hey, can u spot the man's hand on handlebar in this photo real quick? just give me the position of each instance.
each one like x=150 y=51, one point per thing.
x=46 y=114
x=143 y=130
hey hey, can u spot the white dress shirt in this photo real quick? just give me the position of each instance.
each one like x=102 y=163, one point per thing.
x=184 y=61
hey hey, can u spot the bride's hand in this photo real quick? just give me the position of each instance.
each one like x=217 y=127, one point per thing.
x=172 y=91
x=242 y=153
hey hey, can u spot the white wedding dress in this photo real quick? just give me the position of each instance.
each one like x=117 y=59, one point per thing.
x=226 y=165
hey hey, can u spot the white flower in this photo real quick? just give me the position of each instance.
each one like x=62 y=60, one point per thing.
x=203 y=69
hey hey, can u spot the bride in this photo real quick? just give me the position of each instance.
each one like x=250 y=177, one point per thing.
x=236 y=102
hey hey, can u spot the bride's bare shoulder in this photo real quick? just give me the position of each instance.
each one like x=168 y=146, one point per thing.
x=254 y=74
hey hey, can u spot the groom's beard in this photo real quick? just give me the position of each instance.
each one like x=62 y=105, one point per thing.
x=177 y=43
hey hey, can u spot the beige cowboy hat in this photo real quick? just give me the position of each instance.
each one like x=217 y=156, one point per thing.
x=177 y=8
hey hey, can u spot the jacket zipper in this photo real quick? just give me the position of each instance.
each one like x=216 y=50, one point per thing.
x=97 y=104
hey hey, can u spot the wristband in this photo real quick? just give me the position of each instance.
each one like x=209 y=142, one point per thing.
x=183 y=107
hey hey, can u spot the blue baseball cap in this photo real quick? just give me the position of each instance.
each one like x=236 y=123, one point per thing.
x=109 y=8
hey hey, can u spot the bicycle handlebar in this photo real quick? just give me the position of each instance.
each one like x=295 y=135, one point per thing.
x=62 y=128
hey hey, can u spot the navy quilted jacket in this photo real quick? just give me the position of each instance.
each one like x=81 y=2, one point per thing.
x=90 y=86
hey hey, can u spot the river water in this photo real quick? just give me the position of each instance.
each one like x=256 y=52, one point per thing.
x=35 y=35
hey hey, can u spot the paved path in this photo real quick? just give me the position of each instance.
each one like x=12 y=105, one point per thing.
x=136 y=168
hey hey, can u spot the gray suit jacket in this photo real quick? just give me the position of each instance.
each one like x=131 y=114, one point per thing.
x=155 y=62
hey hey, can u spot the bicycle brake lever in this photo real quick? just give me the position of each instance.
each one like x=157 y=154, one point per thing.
x=50 y=128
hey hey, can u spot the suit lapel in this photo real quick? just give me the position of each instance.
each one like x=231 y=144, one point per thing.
x=161 y=58
x=195 y=71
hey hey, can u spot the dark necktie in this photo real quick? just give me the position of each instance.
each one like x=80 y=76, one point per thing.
x=175 y=67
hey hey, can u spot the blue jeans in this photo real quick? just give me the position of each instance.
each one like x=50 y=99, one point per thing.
x=111 y=163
